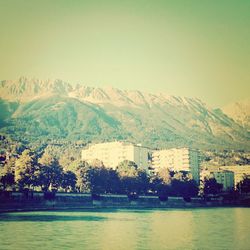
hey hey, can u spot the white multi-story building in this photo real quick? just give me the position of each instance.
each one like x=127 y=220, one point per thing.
x=112 y=153
x=177 y=159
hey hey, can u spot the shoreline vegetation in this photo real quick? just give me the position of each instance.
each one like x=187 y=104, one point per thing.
x=33 y=180
x=39 y=201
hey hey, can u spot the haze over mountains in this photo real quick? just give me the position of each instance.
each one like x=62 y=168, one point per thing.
x=34 y=109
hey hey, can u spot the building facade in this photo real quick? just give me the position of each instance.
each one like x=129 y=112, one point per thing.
x=240 y=171
x=177 y=159
x=226 y=178
x=112 y=153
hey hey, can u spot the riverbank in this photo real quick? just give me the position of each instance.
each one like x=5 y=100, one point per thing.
x=16 y=201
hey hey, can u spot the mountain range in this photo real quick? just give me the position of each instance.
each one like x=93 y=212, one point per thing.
x=33 y=109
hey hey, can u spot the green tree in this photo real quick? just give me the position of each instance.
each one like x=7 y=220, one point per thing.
x=165 y=175
x=143 y=182
x=66 y=161
x=133 y=180
x=191 y=189
x=211 y=186
x=113 y=185
x=95 y=179
x=68 y=181
x=74 y=165
x=98 y=179
x=161 y=182
x=82 y=176
x=244 y=185
x=154 y=183
x=7 y=174
x=127 y=168
x=26 y=168
x=167 y=183
x=127 y=172
x=50 y=173
x=183 y=185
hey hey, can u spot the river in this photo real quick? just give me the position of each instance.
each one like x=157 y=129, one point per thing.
x=212 y=228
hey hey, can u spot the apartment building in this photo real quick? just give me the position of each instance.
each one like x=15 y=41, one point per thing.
x=226 y=178
x=177 y=159
x=112 y=153
x=239 y=172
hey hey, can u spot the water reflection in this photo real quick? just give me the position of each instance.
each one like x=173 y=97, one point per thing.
x=47 y=217
x=121 y=229
x=242 y=222
x=172 y=230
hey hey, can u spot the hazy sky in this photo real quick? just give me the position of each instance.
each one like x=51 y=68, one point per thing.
x=189 y=48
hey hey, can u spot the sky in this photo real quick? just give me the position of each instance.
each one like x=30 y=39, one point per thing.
x=181 y=47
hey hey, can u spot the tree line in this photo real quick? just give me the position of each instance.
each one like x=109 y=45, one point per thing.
x=43 y=172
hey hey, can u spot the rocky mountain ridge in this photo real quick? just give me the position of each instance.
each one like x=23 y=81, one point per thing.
x=34 y=109
x=24 y=90
x=239 y=112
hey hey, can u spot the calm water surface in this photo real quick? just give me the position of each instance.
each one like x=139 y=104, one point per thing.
x=217 y=228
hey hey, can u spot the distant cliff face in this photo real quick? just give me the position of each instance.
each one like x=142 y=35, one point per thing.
x=32 y=109
x=239 y=112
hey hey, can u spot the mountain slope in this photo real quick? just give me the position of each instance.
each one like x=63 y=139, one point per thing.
x=54 y=109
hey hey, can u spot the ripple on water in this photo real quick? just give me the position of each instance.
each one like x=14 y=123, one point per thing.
x=217 y=228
